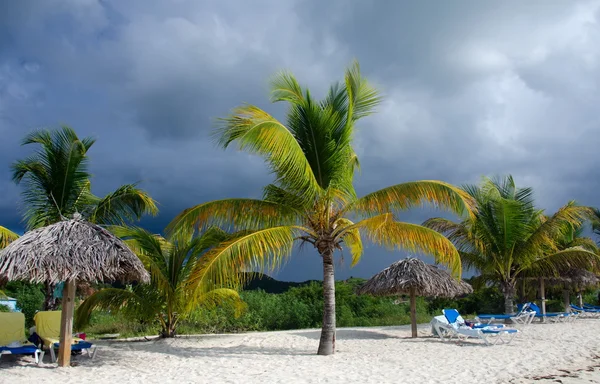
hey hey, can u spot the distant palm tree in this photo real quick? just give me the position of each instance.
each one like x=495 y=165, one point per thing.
x=313 y=198
x=57 y=184
x=180 y=281
x=508 y=238
x=6 y=237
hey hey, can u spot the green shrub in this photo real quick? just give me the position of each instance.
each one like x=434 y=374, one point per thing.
x=4 y=308
x=30 y=298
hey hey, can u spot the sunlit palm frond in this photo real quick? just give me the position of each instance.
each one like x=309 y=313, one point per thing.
x=263 y=250
x=110 y=299
x=234 y=214
x=556 y=227
x=384 y=230
x=362 y=97
x=218 y=298
x=351 y=237
x=563 y=260
x=6 y=237
x=257 y=132
x=414 y=194
x=127 y=203
x=285 y=87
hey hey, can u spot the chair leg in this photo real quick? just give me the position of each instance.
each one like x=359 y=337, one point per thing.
x=52 y=354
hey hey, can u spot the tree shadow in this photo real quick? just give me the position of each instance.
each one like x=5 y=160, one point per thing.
x=348 y=334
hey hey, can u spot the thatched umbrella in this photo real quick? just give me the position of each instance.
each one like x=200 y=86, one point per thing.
x=413 y=277
x=70 y=251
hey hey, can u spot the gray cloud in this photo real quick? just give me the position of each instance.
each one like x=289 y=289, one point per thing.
x=472 y=88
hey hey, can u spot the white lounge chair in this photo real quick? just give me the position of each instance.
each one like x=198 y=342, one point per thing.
x=456 y=327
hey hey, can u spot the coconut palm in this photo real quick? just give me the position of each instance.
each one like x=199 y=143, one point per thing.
x=508 y=238
x=6 y=237
x=313 y=199
x=177 y=288
x=57 y=184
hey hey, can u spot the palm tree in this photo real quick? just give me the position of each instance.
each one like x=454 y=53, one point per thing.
x=6 y=237
x=178 y=283
x=313 y=199
x=57 y=184
x=508 y=238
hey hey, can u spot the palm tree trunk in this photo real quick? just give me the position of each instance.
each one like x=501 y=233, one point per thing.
x=508 y=290
x=49 y=300
x=327 y=343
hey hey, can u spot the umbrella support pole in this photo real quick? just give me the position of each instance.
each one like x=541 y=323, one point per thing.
x=66 y=324
x=413 y=312
x=543 y=298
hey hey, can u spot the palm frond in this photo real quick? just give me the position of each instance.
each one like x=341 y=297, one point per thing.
x=563 y=260
x=352 y=239
x=413 y=194
x=221 y=297
x=127 y=203
x=262 y=250
x=110 y=299
x=384 y=230
x=234 y=214
x=6 y=237
x=257 y=132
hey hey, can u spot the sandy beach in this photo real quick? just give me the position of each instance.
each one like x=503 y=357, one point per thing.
x=542 y=353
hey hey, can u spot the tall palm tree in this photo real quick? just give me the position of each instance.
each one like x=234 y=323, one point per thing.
x=178 y=285
x=508 y=238
x=57 y=184
x=313 y=199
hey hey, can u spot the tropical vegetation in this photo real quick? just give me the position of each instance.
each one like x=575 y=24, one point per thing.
x=508 y=238
x=312 y=199
x=56 y=184
x=178 y=284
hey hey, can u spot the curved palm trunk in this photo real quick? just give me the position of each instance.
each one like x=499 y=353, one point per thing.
x=327 y=343
x=49 y=299
x=508 y=290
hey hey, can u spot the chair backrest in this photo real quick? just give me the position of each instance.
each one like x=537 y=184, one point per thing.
x=453 y=317
x=47 y=324
x=12 y=327
x=534 y=307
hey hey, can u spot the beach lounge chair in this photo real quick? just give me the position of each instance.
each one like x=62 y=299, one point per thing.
x=585 y=311
x=47 y=324
x=524 y=317
x=12 y=337
x=458 y=328
x=554 y=316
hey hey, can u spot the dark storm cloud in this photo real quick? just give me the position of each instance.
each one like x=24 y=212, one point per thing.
x=471 y=88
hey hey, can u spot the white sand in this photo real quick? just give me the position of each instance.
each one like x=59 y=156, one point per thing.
x=374 y=355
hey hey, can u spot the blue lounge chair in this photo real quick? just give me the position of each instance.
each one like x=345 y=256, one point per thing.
x=555 y=316
x=457 y=327
x=585 y=311
x=523 y=317
x=12 y=337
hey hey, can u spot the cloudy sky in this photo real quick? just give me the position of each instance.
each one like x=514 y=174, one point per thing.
x=471 y=88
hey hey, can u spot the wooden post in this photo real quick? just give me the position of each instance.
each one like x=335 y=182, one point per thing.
x=580 y=293
x=413 y=312
x=66 y=324
x=543 y=298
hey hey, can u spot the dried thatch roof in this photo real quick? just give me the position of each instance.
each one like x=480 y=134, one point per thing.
x=71 y=249
x=580 y=278
x=428 y=280
x=576 y=277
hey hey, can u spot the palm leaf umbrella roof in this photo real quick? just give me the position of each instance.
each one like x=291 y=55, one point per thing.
x=427 y=280
x=70 y=250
